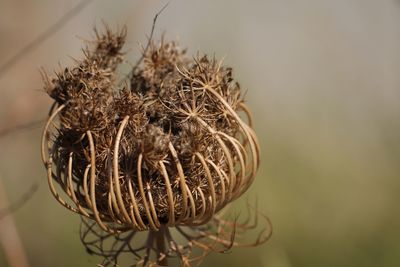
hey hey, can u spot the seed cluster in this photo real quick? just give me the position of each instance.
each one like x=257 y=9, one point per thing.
x=170 y=144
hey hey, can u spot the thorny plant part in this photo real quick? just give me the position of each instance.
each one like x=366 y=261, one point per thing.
x=168 y=149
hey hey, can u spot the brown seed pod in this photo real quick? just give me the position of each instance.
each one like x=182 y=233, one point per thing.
x=171 y=148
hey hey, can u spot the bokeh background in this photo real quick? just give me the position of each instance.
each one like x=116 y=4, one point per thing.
x=323 y=80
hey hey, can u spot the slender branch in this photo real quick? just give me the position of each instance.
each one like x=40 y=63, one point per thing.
x=20 y=202
x=150 y=38
x=129 y=75
x=21 y=127
x=43 y=36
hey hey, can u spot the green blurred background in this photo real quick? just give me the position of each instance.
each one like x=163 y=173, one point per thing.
x=323 y=82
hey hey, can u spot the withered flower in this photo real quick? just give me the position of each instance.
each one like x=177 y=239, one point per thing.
x=164 y=152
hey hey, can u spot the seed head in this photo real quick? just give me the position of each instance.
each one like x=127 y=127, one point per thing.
x=170 y=148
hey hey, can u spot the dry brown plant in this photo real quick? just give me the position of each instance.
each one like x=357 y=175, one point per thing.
x=166 y=147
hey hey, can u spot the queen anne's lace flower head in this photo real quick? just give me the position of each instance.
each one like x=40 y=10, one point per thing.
x=169 y=145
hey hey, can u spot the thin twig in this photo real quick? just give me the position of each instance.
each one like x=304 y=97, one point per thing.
x=20 y=202
x=129 y=75
x=22 y=127
x=44 y=36
x=150 y=37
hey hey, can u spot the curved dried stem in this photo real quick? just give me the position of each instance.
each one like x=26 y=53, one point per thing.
x=219 y=235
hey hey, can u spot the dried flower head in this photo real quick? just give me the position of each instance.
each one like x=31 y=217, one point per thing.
x=169 y=149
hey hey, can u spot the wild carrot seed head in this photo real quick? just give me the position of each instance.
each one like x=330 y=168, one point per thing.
x=167 y=148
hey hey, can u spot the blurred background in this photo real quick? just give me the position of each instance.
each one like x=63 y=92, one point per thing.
x=322 y=78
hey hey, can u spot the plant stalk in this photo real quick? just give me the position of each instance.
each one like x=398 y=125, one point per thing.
x=160 y=246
